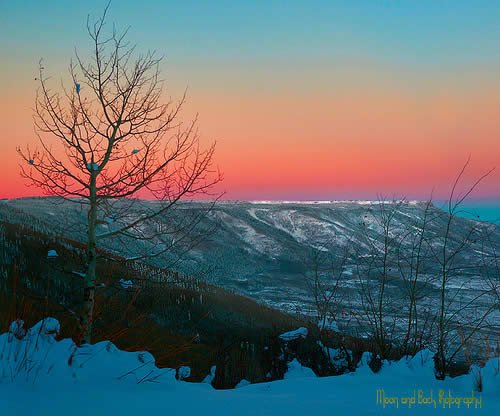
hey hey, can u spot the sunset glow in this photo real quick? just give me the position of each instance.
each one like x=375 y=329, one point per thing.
x=306 y=100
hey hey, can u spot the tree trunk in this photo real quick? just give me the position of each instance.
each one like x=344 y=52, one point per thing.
x=440 y=360
x=86 y=318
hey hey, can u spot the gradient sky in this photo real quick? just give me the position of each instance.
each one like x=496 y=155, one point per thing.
x=306 y=99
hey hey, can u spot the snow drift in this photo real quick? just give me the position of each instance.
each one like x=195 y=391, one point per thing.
x=43 y=376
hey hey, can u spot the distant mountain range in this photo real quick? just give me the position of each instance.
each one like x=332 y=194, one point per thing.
x=266 y=249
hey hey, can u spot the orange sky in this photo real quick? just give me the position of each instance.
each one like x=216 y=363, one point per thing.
x=320 y=144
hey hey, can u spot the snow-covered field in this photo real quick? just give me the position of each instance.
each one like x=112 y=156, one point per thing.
x=41 y=376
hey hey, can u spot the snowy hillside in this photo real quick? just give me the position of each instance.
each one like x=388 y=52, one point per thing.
x=266 y=249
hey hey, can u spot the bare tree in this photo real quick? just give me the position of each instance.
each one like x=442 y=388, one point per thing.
x=111 y=137
x=376 y=271
x=490 y=259
x=325 y=279
x=413 y=260
x=328 y=264
x=458 y=318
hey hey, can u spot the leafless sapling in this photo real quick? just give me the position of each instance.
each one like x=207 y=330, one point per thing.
x=111 y=137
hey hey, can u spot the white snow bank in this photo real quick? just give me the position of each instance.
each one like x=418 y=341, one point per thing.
x=297 y=370
x=37 y=358
x=339 y=358
x=44 y=377
x=209 y=378
x=183 y=372
x=16 y=328
x=242 y=383
x=296 y=334
x=47 y=328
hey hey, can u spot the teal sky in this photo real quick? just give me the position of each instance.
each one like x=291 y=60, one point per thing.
x=412 y=32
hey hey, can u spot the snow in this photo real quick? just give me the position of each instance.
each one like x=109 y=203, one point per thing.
x=183 y=372
x=255 y=240
x=38 y=358
x=340 y=201
x=328 y=324
x=16 y=328
x=298 y=371
x=242 y=383
x=44 y=377
x=296 y=334
x=210 y=377
x=126 y=284
x=338 y=357
x=47 y=328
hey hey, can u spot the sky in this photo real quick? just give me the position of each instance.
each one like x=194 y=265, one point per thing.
x=307 y=100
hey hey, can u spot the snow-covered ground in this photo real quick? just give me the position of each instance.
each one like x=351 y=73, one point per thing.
x=41 y=376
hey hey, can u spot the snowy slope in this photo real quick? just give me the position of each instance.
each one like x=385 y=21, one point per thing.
x=264 y=249
x=40 y=376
